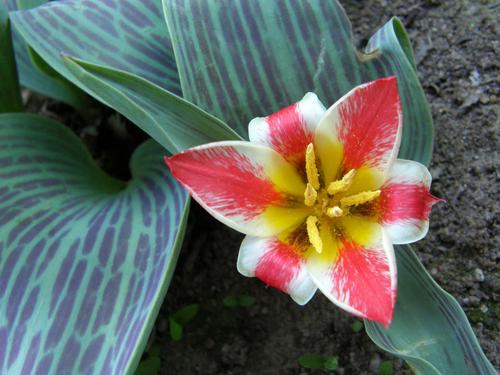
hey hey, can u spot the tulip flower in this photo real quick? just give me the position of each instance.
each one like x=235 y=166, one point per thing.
x=321 y=197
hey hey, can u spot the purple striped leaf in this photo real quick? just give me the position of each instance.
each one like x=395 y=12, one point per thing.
x=85 y=260
x=129 y=35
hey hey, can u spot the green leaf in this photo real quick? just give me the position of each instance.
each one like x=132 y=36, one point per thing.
x=231 y=301
x=246 y=301
x=172 y=121
x=385 y=368
x=240 y=59
x=312 y=361
x=186 y=314
x=429 y=330
x=357 y=326
x=10 y=93
x=85 y=259
x=127 y=35
x=29 y=64
x=331 y=363
x=149 y=366
x=175 y=330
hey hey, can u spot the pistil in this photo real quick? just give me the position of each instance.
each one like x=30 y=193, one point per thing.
x=335 y=211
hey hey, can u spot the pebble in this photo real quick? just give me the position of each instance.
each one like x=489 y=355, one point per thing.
x=375 y=363
x=479 y=274
x=483 y=308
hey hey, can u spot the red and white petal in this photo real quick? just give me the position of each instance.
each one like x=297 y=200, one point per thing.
x=405 y=202
x=248 y=187
x=360 y=280
x=364 y=126
x=289 y=130
x=278 y=264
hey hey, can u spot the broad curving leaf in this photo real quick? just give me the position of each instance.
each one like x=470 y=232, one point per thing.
x=430 y=330
x=45 y=81
x=172 y=121
x=239 y=59
x=85 y=260
x=10 y=94
x=130 y=35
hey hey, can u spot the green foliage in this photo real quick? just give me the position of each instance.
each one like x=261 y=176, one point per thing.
x=149 y=366
x=85 y=259
x=151 y=362
x=180 y=318
x=172 y=121
x=272 y=61
x=385 y=368
x=429 y=330
x=239 y=301
x=357 y=326
x=37 y=75
x=282 y=61
x=318 y=362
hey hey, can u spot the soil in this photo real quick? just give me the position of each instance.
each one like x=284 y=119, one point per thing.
x=457 y=51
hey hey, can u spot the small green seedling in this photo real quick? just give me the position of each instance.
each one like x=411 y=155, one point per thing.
x=239 y=301
x=318 y=362
x=150 y=365
x=180 y=318
x=357 y=326
x=385 y=368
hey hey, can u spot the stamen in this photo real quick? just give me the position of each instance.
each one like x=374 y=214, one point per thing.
x=360 y=198
x=313 y=233
x=311 y=169
x=310 y=195
x=343 y=184
x=334 y=211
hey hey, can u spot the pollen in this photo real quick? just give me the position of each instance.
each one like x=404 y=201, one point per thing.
x=310 y=195
x=360 y=198
x=342 y=185
x=311 y=168
x=313 y=233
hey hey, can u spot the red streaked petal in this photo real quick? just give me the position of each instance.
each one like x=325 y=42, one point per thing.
x=243 y=185
x=279 y=264
x=360 y=280
x=289 y=130
x=405 y=202
x=366 y=123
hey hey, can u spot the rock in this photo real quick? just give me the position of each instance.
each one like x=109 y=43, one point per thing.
x=375 y=362
x=479 y=274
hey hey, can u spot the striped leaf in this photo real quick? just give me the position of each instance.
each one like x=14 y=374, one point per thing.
x=45 y=81
x=239 y=59
x=129 y=35
x=430 y=331
x=85 y=260
x=10 y=94
x=172 y=121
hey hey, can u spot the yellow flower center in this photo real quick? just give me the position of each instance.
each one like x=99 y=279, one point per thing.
x=333 y=200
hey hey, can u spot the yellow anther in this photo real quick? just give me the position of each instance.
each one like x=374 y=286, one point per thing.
x=343 y=184
x=360 y=198
x=334 y=211
x=311 y=168
x=310 y=195
x=313 y=233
